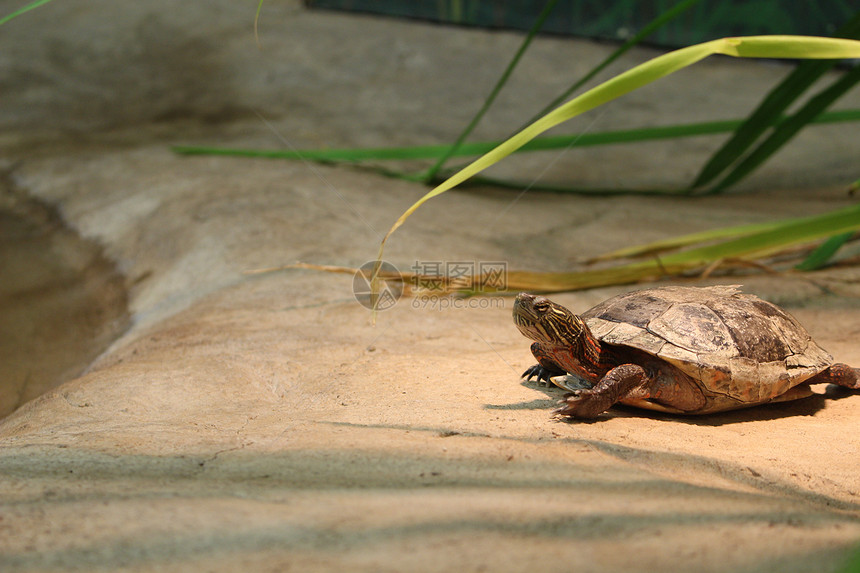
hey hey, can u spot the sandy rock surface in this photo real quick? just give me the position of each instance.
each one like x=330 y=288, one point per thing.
x=260 y=421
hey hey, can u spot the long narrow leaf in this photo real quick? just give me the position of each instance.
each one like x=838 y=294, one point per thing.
x=787 y=129
x=766 y=242
x=480 y=147
x=354 y=155
x=547 y=9
x=20 y=11
x=763 y=243
x=762 y=119
x=672 y=243
x=769 y=110
x=482 y=181
x=825 y=251
x=753 y=46
x=646 y=31
x=256 y=23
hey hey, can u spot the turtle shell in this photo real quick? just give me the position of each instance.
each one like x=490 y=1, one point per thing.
x=734 y=344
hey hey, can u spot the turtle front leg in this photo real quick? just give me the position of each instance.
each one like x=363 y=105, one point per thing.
x=617 y=384
x=545 y=368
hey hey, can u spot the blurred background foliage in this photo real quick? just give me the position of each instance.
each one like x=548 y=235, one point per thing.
x=619 y=20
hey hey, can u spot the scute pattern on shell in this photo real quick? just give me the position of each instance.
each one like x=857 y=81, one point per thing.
x=735 y=344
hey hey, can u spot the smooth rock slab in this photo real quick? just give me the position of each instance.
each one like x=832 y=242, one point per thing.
x=261 y=422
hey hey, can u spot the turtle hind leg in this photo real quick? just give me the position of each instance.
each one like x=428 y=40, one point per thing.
x=590 y=403
x=840 y=374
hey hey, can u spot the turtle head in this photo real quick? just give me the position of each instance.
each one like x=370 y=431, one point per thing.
x=542 y=320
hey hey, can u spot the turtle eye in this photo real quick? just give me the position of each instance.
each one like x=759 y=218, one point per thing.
x=541 y=306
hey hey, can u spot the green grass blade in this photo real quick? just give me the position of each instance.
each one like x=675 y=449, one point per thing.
x=353 y=155
x=646 y=31
x=20 y=11
x=539 y=22
x=480 y=147
x=350 y=155
x=825 y=251
x=787 y=129
x=256 y=22
x=643 y=74
x=762 y=119
x=765 y=242
x=607 y=91
x=769 y=110
x=673 y=243
x=793 y=232
x=480 y=180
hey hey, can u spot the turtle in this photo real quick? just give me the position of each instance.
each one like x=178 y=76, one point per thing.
x=675 y=349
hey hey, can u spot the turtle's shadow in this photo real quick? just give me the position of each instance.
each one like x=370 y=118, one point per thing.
x=808 y=406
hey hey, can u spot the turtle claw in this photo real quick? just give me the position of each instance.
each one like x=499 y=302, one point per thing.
x=581 y=404
x=542 y=374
